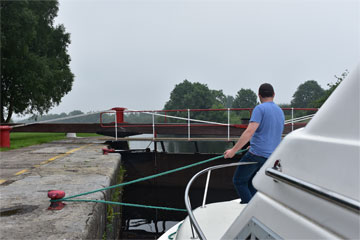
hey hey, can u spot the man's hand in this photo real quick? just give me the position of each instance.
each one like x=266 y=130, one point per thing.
x=244 y=138
x=230 y=153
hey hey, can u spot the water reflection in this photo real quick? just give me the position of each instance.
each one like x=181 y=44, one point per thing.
x=145 y=229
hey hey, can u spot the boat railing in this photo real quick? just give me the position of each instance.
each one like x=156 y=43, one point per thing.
x=193 y=223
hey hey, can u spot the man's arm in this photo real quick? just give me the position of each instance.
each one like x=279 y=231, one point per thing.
x=244 y=138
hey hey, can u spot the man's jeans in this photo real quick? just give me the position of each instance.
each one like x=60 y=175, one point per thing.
x=244 y=175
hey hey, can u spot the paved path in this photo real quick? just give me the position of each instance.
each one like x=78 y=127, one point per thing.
x=14 y=163
x=73 y=165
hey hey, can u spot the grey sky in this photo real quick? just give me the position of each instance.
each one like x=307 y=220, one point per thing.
x=132 y=53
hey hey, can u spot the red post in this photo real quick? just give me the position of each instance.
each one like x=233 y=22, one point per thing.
x=5 y=136
x=119 y=114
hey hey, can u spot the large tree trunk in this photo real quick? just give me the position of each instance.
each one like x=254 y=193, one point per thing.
x=9 y=114
x=2 y=113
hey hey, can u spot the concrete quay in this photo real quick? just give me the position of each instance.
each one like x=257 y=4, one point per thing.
x=74 y=165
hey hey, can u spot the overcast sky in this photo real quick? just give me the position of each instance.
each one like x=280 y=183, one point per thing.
x=132 y=53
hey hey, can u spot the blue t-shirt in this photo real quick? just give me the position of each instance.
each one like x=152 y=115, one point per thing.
x=271 y=125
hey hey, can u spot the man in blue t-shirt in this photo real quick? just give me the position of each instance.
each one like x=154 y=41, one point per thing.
x=264 y=132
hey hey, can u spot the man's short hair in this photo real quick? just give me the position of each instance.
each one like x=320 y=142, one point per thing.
x=266 y=90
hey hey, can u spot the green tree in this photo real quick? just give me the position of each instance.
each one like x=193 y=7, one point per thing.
x=287 y=113
x=187 y=95
x=220 y=98
x=226 y=101
x=35 y=71
x=306 y=94
x=332 y=86
x=245 y=98
x=75 y=112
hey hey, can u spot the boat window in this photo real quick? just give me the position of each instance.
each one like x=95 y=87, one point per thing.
x=255 y=230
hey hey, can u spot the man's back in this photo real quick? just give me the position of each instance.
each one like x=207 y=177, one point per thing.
x=271 y=125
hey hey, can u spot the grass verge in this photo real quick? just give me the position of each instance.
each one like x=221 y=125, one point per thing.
x=19 y=139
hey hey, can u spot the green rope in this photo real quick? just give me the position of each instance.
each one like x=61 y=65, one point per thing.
x=127 y=204
x=135 y=181
x=171 y=236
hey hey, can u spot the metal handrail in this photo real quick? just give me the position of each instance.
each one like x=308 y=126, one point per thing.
x=323 y=193
x=299 y=119
x=193 y=221
x=154 y=113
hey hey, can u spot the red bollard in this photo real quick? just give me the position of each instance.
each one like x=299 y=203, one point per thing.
x=119 y=114
x=106 y=151
x=55 y=195
x=5 y=136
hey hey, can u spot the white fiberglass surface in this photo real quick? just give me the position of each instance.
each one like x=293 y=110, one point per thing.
x=214 y=219
x=325 y=153
x=339 y=117
x=281 y=220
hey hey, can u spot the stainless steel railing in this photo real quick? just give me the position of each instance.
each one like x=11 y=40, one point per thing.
x=193 y=222
x=318 y=191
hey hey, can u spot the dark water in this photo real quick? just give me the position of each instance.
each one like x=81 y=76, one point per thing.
x=166 y=191
x=145 y=229
x=142 y=223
